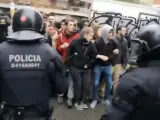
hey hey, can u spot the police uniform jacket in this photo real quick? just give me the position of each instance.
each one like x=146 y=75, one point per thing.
x=27 y=68
x=137 y=95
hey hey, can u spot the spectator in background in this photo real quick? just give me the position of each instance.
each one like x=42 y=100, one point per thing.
x=106 y=48
x=97 y=33
x=47 y=35
x=76 y=24
x=62 y=29
x=51 y=34
x=45 y=17
x=51 y=17
x=122 y=59
x=63 y=42
x=128 y=38
x=80 y=65
x=85 y=23
x=82 y=24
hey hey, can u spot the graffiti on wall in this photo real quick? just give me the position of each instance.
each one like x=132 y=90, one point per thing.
x=133 y=24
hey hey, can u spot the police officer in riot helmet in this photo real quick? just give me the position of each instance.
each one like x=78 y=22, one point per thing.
x=27 y=67
x=137 y=95
x=4 y=23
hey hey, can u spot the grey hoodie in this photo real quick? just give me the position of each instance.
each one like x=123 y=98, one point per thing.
x=105 y=31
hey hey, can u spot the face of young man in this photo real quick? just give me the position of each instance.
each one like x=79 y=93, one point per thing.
x=89 y=34
x=70 y=26
x=51 y=19
x=52 y=30
x=62 y=25
x=86 y=24
x=123 y=31
x=110 y=35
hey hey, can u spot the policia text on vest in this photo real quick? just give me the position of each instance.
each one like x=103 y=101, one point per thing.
x=25 y=61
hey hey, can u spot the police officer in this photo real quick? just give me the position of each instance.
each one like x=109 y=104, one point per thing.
x=4 y=23
x=138 y=93
x=27 y=68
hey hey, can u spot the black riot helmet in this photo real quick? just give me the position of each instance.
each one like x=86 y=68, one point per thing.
x=151 y=35
x=27 y=25
x=149 y=43
x=27 y=19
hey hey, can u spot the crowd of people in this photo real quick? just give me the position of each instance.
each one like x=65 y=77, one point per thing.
x=86 y=62
x=94 y=55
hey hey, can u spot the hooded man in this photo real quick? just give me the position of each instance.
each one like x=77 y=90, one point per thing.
x=107 y=49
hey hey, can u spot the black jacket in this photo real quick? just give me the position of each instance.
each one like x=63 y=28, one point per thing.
x=107 y=50
x=83 y=52
x=48 y=39
x=137 y=96
x=123 y=55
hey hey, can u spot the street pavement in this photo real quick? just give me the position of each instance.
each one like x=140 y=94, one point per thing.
x=61 y=112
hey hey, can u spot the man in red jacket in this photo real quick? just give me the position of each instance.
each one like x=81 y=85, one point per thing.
x=66 y=37
x=63 y=42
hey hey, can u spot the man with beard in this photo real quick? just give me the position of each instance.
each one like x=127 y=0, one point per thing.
x=121 y=61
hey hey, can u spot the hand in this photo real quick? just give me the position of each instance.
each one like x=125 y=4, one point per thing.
x=116 y=51
x=60 y=95
x=55 y=36
x=127 y=66
x=92 y=41
x=65 y=45
x=86 y=66
x=102 y=57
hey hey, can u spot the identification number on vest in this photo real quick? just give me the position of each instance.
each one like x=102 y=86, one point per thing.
x=25 y=61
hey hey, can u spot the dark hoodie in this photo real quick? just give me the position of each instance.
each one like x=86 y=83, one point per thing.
x=105 y=46
x=86 y=53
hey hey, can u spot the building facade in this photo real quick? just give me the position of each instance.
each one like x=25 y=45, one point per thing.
x=156 y=2
x=74 y=5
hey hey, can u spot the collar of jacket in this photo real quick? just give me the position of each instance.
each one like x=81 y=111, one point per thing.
x=84 y=41
x=26 y=35
x=69 y=35
x=102 y=40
